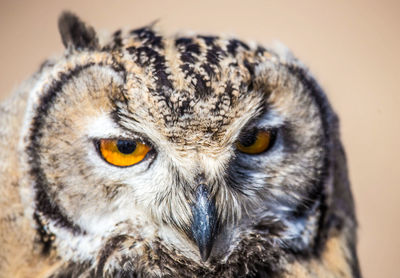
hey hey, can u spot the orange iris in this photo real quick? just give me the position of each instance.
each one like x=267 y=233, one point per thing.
x=257 y=146
x=123 y=152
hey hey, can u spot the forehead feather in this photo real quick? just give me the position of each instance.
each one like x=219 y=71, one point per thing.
x=201 y=83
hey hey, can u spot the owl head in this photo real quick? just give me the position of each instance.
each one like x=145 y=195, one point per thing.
x=178 y=156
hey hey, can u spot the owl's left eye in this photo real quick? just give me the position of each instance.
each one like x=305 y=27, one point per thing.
x=122 y=153
x=256 y=141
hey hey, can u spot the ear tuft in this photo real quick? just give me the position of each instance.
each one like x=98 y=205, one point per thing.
x=76 y=34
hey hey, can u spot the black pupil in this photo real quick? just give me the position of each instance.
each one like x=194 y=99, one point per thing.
x=248 y=138
x=126 y=146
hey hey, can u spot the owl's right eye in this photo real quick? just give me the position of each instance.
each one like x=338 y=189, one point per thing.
x=123 y=153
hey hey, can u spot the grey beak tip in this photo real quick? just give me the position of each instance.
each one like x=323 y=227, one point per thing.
x=204 y=223
x=205 y=254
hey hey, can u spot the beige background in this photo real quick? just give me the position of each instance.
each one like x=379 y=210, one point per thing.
x=352 y=47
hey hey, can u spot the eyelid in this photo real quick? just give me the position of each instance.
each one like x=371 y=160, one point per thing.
x=128 y=137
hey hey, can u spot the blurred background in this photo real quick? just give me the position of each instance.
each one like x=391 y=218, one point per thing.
x=352 y=47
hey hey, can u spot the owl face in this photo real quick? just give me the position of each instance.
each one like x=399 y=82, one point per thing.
x=201 y=151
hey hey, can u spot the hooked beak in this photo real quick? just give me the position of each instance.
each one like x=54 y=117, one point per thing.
x=204 y=225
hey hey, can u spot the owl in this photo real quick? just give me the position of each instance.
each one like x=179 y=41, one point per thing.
x=136 y=154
